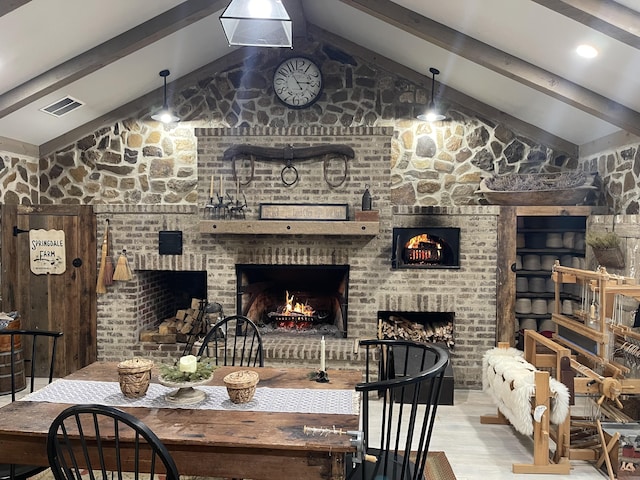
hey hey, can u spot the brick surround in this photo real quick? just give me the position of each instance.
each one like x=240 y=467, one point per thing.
x=469 y=292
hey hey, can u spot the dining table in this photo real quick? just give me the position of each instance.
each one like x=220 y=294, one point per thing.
x=294 y=427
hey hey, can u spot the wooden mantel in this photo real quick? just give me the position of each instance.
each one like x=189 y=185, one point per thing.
x=288 y=227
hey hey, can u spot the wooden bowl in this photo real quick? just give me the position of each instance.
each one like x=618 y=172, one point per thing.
x=241 y=385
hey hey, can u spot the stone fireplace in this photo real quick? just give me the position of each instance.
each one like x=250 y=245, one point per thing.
x=373 y=284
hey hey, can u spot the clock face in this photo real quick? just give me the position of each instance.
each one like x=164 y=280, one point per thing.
x=297 y=82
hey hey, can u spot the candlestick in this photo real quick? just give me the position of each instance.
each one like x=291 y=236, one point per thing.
x=323 y=366
x=221 y=188
x=211 y=188
x=238 y=189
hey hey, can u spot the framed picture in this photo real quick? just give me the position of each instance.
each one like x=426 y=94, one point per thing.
x=304 y=211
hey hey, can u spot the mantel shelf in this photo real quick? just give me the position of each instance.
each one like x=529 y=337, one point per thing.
x=288 y=227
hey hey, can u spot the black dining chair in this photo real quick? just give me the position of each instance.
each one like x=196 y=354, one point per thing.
x=102 y=442
x=235 y=341
x=42 y=345
x=400 y=393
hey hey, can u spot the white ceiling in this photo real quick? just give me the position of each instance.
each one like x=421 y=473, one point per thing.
x=518 y=57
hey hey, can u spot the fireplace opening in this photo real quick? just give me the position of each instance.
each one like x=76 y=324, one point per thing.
x=300 y=299
x=426 y=247
x=163 y=292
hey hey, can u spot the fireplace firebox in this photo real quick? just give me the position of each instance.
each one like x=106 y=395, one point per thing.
x=426 y=247
x=301 y=299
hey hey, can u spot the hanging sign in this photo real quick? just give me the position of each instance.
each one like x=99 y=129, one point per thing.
x=46 y=252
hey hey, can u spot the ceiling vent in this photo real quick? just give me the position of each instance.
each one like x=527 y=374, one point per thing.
x=62 y=107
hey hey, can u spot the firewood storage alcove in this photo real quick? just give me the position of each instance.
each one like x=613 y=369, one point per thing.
x=427 y=327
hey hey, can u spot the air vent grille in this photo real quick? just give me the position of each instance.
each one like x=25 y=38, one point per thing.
x=62 y=107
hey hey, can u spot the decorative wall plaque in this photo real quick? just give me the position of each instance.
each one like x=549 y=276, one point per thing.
x=47 y=252
x=304 y=211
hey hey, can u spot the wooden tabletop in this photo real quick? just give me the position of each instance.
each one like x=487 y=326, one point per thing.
x=229 y=443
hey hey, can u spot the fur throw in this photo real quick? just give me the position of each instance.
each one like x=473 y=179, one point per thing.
x=509 y=379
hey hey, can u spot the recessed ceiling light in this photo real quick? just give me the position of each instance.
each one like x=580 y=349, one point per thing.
x=587 y=51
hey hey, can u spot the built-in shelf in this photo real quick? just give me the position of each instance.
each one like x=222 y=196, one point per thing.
x=286 y=227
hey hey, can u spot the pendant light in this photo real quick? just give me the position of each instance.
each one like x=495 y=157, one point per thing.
x=432 y=114
x=165 y=115
x=257 y=23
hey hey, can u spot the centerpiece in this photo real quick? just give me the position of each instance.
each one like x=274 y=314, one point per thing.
x=187 y=373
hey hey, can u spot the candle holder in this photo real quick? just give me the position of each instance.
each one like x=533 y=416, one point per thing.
x=322 y=377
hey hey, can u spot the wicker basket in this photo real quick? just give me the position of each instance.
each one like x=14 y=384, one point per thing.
x=241 y=385
x=134 y=376
x=609 y=257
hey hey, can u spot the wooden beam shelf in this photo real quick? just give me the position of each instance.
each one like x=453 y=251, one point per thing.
x=288 y=227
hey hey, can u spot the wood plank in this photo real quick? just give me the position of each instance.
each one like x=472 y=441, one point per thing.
x=283 y=227
x=506 y=276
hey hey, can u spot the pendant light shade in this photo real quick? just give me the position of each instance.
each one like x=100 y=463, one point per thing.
x=432 y=114
x=257 y=23
x=165 y=115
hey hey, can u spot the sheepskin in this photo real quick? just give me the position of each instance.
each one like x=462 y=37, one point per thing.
x=510 y=380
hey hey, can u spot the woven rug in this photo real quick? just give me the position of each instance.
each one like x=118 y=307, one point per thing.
x=437 y=468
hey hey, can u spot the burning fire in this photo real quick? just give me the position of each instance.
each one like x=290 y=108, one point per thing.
x=420 y=240
x=294 y=308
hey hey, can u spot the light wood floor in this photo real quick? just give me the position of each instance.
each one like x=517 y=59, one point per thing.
x=475 y=451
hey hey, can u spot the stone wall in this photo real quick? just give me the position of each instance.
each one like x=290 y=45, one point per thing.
x=139 y=161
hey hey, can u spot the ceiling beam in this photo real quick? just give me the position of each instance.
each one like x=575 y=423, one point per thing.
x=463 y=103
x=137 y=107
x=19 y=148
x=501 y=62
x=298 y=19
x=108 y=52
x=610 y=18
x=7 y=6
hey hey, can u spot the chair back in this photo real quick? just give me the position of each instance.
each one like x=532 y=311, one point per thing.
x=93 y=441
x=234 y=341
x=43 y=346
x=400 y=396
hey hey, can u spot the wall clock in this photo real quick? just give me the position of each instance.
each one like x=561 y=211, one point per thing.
x=297 y=82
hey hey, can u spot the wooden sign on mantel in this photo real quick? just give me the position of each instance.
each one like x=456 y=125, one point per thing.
x=304 y=211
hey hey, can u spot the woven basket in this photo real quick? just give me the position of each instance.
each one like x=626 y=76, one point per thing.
x=134 y=376
x=241 y=385
x=609 y=257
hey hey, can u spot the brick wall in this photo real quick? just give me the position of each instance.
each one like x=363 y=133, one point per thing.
x=374 y=286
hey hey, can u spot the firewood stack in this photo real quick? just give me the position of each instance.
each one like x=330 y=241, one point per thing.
x=179 y=327
x=396 y=327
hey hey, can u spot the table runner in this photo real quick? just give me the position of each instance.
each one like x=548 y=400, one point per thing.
x=287 y=400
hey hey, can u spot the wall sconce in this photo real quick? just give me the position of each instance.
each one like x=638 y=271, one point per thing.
x=257 y=23
x=432 y=114
x=165 y=115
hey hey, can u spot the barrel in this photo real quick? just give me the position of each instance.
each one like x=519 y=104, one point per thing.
x=5 y=371
x=5 y=360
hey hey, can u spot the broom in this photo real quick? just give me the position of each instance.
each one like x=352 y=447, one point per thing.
x=123 y=271
x=101 y=286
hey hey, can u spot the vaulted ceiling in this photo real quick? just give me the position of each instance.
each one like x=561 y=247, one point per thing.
x=507 y=60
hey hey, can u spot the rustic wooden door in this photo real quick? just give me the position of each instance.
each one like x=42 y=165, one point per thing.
x=65 y=301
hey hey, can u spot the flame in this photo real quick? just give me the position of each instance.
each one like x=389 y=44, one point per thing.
x=416 y=241
x=295 y=308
